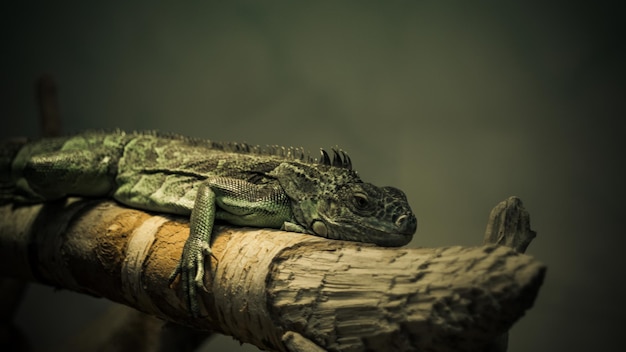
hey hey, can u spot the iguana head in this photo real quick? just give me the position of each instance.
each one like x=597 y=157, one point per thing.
x=332 y=202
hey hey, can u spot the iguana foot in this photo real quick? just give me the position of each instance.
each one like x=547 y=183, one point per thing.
x=292 y=227
x=191 y=270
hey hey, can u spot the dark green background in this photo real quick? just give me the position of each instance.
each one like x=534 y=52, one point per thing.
x=460 y=105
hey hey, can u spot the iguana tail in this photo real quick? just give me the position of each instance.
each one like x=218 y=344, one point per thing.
x=8 y=151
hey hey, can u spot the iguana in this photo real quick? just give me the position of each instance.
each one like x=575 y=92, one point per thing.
x=241 y=184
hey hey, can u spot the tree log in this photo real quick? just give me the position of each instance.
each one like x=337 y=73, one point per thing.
x=508 y=225
x=276 y=289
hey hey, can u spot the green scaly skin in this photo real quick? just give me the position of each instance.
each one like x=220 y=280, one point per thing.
x=243 y=185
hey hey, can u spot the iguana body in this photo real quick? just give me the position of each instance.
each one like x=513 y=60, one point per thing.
x=243 y=185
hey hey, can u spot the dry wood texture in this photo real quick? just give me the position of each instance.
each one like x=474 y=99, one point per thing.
x=508 y=225
x=274 y=289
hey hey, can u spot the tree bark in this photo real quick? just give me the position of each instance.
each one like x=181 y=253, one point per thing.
x=276 y=289
x=508 y=225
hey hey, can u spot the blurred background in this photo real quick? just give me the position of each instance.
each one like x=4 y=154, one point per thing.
x=460 y=105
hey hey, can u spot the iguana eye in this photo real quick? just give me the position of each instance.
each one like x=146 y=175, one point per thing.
x=361 y=201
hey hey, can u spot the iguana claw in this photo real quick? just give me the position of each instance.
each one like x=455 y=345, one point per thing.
x=191 y=270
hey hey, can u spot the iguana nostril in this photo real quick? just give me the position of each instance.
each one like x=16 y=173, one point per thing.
x=406 y=223
x=400 y=220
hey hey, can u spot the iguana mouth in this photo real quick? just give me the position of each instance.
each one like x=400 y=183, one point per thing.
x=393 y=239
x=397 y=234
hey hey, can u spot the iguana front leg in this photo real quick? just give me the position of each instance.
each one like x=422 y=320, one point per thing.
x=197 y=247
x=236 y=201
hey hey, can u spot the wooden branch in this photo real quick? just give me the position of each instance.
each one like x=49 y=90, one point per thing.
x=276 y=289
x=508 y=225
x=48 y=103
x=11 y=290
